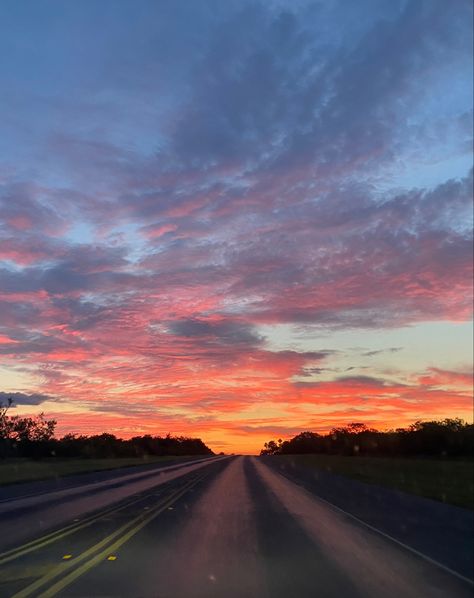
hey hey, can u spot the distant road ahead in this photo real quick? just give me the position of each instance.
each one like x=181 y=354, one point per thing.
x=230 y=528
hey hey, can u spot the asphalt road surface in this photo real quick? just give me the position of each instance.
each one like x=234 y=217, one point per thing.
x=225 y=527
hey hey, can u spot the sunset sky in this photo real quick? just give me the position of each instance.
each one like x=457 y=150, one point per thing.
x=236 y=220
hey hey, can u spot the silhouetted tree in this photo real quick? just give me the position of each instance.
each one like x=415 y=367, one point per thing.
x=271 y=448
x=34 y=437
x=448 y=437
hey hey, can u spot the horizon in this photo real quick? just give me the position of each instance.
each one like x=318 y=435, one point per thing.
x=236 y=221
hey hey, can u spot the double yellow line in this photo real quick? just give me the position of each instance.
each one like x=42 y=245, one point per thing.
x=19 y=551
x=70 y=571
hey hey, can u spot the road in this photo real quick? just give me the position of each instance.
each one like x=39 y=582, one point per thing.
x=229 y=527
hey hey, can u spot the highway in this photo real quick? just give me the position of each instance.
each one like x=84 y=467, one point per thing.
x=230 y=527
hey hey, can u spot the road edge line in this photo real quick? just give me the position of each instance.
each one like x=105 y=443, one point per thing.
x=378 y=531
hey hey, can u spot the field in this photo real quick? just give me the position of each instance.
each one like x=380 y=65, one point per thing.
x=449 y=481
x=23 y=470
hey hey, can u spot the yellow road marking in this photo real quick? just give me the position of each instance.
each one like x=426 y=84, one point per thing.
x=24 y=573
x=123 y=534
x=18 y=551
x=71 y=577
x=63 y=532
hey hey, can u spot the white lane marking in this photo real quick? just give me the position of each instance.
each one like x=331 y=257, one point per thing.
x=381 y=533
x=27 y=500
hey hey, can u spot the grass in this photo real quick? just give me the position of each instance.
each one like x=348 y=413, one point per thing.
x=27 y=470
x=449 y=481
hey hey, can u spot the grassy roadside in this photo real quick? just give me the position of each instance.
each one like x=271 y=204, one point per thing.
x=27 y=470
x=444 y=480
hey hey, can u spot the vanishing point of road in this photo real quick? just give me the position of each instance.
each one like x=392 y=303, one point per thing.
x=230 y=527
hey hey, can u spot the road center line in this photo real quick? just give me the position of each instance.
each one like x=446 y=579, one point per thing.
x=124 y=533
x=63 y=532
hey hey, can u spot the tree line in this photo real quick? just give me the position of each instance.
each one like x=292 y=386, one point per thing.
x=34 y=437
x=444 y=438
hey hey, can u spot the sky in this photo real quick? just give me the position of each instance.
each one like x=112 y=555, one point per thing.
x=236 y=220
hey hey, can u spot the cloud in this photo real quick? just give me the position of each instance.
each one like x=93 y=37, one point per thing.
x=274 y=87
x=381 y=351
x=21 y=398
x=363 y=381
x=350 y=382
x=21 y=209
x=224 y=332
x=438 y=377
